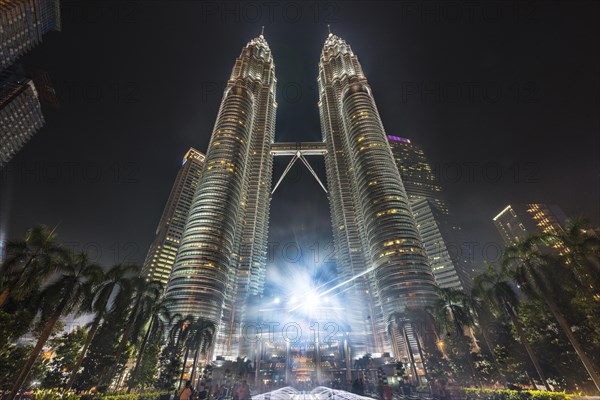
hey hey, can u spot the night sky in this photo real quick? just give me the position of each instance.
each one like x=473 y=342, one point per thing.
x=503 y=97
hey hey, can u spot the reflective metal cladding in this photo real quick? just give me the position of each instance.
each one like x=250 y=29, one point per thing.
x=221 y=260
x=372 y=220
x=222 y=255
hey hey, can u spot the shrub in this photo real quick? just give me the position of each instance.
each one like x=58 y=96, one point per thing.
x=54 y=394
x=502 y=394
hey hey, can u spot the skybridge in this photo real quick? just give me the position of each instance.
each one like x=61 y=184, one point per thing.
x=298 y=151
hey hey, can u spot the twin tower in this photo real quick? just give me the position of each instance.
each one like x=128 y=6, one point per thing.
x=222 y=256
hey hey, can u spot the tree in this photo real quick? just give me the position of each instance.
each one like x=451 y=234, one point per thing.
x=29 y=262
x=62 y=297
x=536 y=274
x=170 y=357
x=200 y=338
x=100 y=357
x=160 y=315
x=109 y=287
x=493 y=286
x=581 y=248
x=67 y=349
x=451 y=310
x=143 y=296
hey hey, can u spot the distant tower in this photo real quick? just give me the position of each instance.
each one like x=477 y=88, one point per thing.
x=22 y=24
x=20 y=113
x=517 y=221
x=222 y=255
x=374 y=229
x=161 y=255
x=449 y=257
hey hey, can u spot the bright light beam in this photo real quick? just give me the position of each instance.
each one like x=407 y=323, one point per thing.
x=335 y=287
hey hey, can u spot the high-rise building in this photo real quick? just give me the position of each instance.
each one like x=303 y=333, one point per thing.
x=517 y=221
x=448 y=255
x=22 y=24
x=374 y=229
x=222 y=255
x=417 y=175
x=384 y=272
x=439 y=241
x=20 y=113
x=161 y=255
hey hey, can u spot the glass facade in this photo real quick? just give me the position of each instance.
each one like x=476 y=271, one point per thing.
x=222 y=255
x=517 y=221
x=161 y=255
x=22 y=24
x=20 y=114
x=373 y=225
x=449 y=256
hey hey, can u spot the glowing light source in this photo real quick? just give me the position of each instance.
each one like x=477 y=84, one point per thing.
x=311 y=302
x=277 y=300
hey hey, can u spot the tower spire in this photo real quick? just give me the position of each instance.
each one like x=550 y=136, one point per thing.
x=329 y=28
x=262 y=31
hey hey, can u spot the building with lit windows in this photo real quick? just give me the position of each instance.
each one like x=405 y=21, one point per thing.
x=374 y=229
x=439 y=243
x=418 y=177
x=449 y=256
x=517 y=221
x=383 y=268
x=20 y=113
x=222 y=253
x=22 y=24
x=161 y=255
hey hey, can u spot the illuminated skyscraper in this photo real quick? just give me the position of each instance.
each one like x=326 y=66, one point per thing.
x=517 y=221
x=20 y=113
x=161 y=255
x=382 y=265
x=417 y=175
x=448 y=255
x=22 y=24
x=222 y=254
x=374 y=229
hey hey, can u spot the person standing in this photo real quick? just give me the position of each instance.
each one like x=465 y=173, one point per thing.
x=187 y=392
x=387 y=392
x=203 y=393
x=243 y=392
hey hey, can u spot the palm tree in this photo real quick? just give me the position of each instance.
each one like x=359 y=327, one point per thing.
x=581 y=250
x=144 y=295
x=480 y=309
x=29 y=262
x=160 y=316
x=493 y=287
x=533 y=271
x=171 y=353
x=200 y=339
x=63 y=296
x=451 y=309
x=110 y=284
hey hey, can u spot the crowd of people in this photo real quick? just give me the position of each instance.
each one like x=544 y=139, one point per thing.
x=239 y=391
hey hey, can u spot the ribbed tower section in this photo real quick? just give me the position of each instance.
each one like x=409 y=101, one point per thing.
x=211 y=271
x=374 y=228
